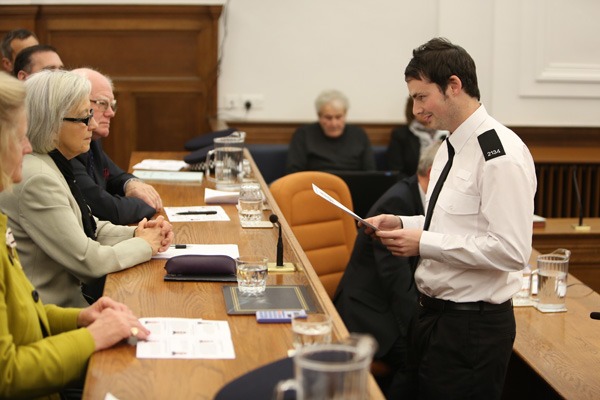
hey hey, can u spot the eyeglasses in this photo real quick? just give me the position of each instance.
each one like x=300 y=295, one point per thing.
x=85 y=120
x=104 y=104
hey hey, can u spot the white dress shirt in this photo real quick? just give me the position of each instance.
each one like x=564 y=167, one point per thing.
x=482 y=223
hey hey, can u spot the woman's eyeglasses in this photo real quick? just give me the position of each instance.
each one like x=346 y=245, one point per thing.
x=85 y=120
x=104 y=104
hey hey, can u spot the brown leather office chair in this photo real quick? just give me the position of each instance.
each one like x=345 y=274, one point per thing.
x=325 y=233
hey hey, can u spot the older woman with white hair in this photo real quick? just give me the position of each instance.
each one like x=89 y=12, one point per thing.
x=61 y=244
x=330 y=144
x=44 y=348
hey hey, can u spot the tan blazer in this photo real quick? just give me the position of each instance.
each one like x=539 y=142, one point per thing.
x=55 y=252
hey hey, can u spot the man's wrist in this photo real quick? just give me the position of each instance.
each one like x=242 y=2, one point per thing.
x=128 y=181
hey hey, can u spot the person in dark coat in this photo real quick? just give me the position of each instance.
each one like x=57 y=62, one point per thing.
x=376 y=294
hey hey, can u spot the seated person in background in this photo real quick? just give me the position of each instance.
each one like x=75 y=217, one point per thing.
x=44 y=347
x=12 y=43
x=61 y=244
x=330 y=144
x=376 y=294
x=112 y=194
x=34 y=59
x=408 y=141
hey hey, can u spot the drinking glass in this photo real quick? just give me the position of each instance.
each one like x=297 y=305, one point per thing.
x=250 y=202
x=311 y=329
x=552 y=272
x=251 y=274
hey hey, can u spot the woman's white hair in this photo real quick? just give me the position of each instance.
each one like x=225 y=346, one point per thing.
x=50 y=96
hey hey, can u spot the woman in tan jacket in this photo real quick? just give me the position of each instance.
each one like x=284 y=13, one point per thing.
x=44 y=347
x=61 y=244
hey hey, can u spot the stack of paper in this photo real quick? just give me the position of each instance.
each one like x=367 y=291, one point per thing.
x=161 y=165
x=170 y=176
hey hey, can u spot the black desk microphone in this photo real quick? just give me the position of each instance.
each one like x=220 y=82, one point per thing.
x=275 y=220
x=595 y=315
x=279 y=266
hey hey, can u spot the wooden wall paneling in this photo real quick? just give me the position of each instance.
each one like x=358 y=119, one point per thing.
x=13 y=17
x=163 y=62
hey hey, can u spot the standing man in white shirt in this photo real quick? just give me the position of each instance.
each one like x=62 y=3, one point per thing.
x=477 y=230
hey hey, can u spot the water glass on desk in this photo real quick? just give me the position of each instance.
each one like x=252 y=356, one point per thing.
x=552 y=272
x=311 y=329
x=250 y=202
x=251 y=274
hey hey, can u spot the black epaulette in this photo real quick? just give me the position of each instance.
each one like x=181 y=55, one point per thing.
x=490 y=144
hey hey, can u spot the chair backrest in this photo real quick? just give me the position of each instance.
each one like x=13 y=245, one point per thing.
x=325 y=233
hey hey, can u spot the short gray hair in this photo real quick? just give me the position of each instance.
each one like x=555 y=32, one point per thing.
x=50 y=95
x=331 y=96
x=427 y=156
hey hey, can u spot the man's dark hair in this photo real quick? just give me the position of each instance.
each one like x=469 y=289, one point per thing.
x=23 y=60
x=439 y=59
x=20 y=34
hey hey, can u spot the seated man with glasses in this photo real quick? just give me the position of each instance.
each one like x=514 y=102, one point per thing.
x=111 y=193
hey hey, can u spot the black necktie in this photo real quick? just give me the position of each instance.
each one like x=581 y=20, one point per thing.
x=438 y=186
x=90 y=166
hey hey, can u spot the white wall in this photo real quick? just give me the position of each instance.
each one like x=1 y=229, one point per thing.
x=538 y=60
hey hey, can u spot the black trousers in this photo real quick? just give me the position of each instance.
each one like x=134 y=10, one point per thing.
x=462 y=354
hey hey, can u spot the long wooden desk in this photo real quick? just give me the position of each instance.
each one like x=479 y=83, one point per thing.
x=584 y=246
x=142 y=288
x=557 y=355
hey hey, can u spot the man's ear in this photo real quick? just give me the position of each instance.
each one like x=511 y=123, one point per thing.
x=22 y=75
x=7 y=65
x=455 y=84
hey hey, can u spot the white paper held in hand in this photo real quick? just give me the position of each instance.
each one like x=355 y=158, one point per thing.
x=339 y=205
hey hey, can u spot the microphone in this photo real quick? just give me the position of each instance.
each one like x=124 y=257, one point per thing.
x=275 y=220
x=595 y=315
x=580 y=226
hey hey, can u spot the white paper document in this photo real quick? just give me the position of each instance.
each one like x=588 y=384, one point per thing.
x=196 y=214
x=339 y=205
x=186 y=338
x=230 y=250
x=212 y=196
x=161 y=165
x=170 y=176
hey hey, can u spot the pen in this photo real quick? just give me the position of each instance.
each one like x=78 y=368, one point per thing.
x=179 y=246
x=197 y=213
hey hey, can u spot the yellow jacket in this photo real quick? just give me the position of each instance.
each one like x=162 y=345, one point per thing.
x=32 y=365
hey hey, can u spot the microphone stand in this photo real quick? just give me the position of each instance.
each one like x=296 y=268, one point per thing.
x=279 y=266
x=579 y=227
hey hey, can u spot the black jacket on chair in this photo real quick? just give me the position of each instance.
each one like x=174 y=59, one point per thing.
x=376 y=294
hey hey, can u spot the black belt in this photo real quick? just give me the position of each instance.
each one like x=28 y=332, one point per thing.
x=447 y=305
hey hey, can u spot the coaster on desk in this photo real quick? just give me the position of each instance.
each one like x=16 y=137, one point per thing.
x=555 y=310
x=256 y=224
x=284 y=297
x=286 y=267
